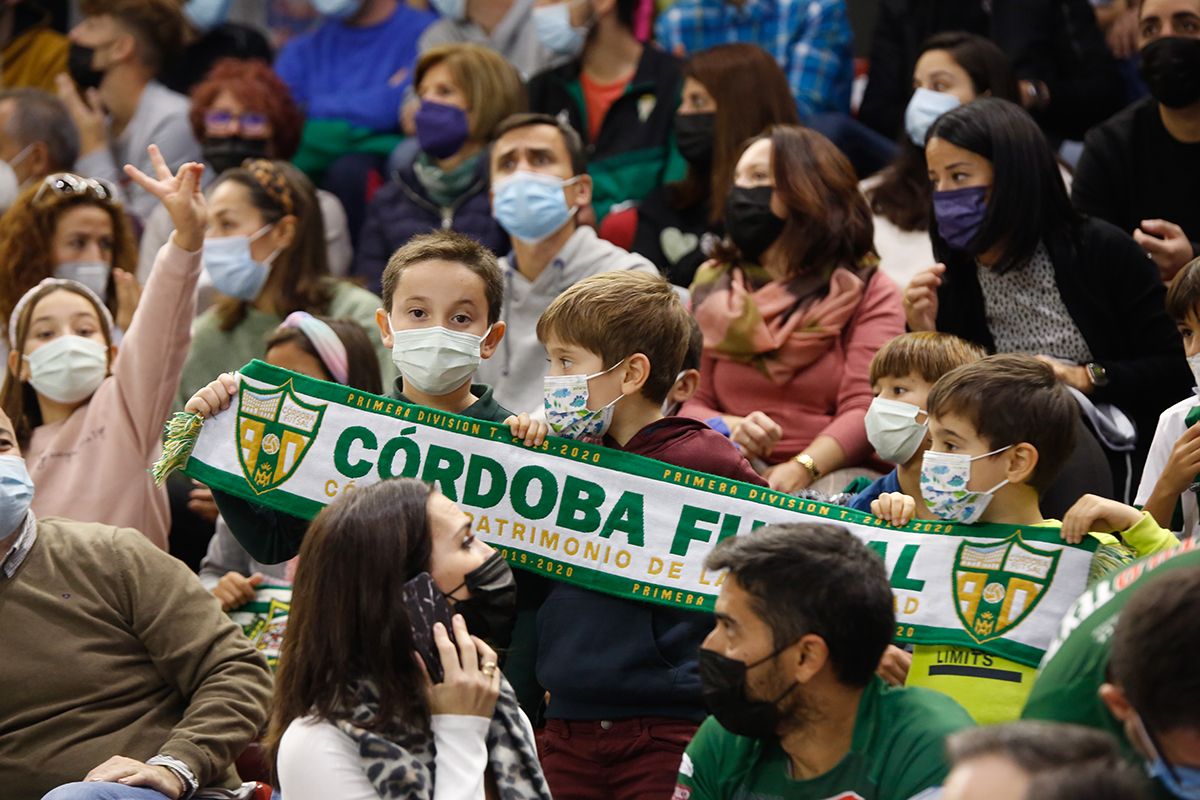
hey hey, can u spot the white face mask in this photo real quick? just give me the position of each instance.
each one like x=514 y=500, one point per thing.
x=68 y=369
x=565 y=399
x=671 y=407
x=451 y=9
x=893 y=430
x=92 y=274
x=554 y=30
x=944 y=479
x=1194 y=364
x=436 y=360
x=10 y=187
x=922 y=111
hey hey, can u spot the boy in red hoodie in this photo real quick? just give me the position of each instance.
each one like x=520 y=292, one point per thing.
x=622 y=675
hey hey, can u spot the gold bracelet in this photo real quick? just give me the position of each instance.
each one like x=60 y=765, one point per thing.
x=806 y=461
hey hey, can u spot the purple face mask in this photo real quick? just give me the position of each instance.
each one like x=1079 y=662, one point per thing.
x=441 y=129
x=960 y=214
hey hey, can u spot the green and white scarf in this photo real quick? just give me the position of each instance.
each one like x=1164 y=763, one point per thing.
x=611 y=521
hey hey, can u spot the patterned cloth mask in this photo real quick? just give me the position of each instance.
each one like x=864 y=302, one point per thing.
x=944 y=479
x=565 y=399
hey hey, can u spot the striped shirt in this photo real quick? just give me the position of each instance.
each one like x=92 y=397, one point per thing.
x=811 y=40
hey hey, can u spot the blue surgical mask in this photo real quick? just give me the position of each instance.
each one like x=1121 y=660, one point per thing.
x=16 y=493
x=450 y=9
x=233 y=271
x=337 y=9
x=531 y=206
x=926 y=106
x=555 y=31
x=1182 y=782
x=206 y=14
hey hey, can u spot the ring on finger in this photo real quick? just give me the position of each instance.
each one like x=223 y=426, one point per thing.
x=488 y=668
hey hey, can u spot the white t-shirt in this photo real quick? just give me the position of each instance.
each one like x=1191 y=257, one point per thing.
x=1171 y=426
x=902 y=254
x=318 y=761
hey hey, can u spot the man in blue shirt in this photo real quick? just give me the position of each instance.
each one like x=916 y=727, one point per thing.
x=811 y=40
x=356 y=66
x=349 y=76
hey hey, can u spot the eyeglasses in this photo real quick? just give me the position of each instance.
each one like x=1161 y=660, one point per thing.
x=65 y=184
x=250 y=124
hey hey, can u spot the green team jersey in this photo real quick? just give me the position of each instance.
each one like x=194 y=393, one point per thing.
x=1068 y=683
x=896 y=752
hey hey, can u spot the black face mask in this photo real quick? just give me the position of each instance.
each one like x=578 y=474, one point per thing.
x=1171 y=69
x=723 y=686
x=79 y=66
x=694 y=135
x=751 y=224
x=491 y=610
x=227 y=152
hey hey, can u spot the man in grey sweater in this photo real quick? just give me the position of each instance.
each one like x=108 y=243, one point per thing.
x=540 y=186
x=111 y=92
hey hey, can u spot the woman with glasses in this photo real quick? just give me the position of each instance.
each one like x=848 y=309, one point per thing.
x=69 y=227
x=89 y=423
x=243 y=110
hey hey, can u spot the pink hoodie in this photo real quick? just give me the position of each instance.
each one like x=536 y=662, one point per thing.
x=93 y=466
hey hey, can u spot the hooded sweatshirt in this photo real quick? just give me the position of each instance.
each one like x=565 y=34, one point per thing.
x=604 y=657
x=516 y=370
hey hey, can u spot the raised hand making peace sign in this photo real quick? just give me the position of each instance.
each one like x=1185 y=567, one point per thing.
x=181 y=195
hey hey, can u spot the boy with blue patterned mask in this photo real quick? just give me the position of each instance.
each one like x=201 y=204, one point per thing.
x=615 y=344
x=1000 y=431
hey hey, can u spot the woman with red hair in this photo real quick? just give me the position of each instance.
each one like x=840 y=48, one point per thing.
x=242 y=110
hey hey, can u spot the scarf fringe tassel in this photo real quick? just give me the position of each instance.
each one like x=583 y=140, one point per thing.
x=179 y=437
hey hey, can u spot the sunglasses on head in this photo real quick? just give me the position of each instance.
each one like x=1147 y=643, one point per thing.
x=65 y=184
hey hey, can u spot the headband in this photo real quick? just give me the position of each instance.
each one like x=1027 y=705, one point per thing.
x=328 y=346
x=273 y=182
x=105 y=314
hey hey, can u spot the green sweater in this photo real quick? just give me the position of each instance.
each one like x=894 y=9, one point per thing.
x=112 y=647
x=897 y=751
x=215 y=351
x=1068 y=684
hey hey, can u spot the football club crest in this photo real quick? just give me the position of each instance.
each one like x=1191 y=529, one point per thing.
x=275 y=429
x=998 y=584
x=266 y=628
